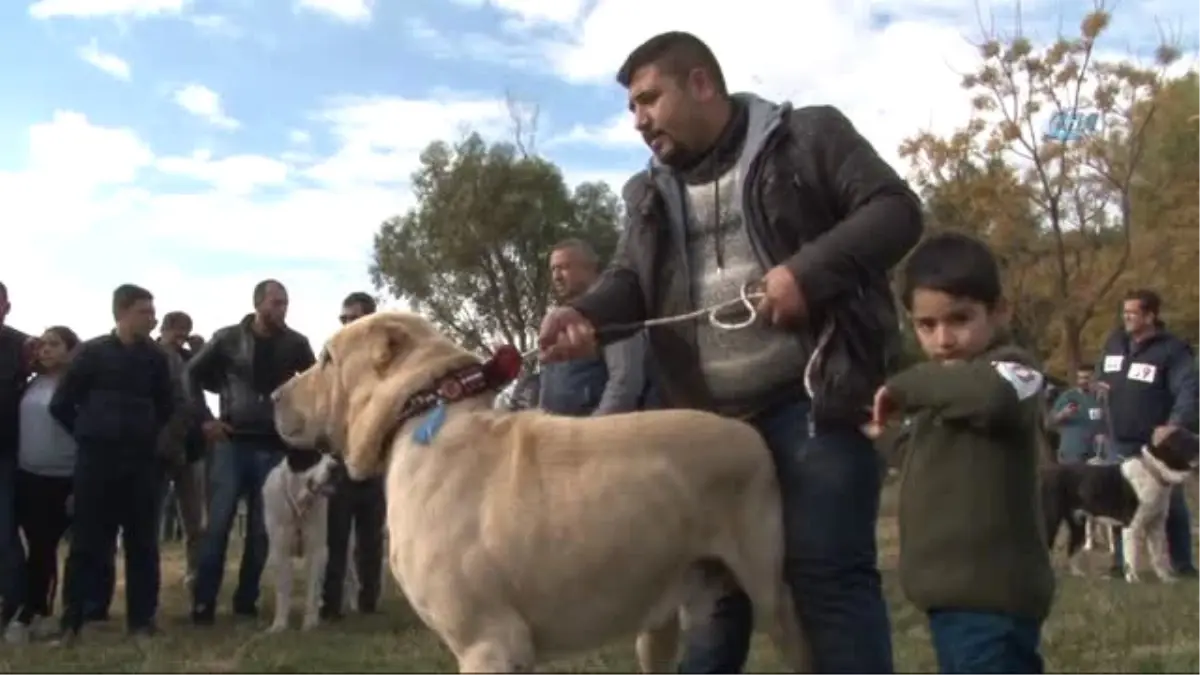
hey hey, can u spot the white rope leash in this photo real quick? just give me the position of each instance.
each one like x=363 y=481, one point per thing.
x=745 y=300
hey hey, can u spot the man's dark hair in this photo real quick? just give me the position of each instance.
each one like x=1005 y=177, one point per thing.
x=3 y=291
x=676 y=54
x=176 y=320
x=363 y=300
x=956 y=264
x=128 y=295
x=1086 y=368
x=573 y=244
x=260 y=290
x=1148 y=300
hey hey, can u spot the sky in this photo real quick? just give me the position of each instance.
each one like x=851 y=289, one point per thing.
x=196 y=147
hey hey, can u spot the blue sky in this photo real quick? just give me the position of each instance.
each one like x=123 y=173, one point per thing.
x=197 y=146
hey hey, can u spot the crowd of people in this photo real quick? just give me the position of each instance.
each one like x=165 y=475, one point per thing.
x=740 y=191
x=95 y=434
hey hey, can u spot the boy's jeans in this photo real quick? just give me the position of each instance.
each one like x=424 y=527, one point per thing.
x=830 y=484
x=985 y=642
x=1178 y=526
x=237 y=469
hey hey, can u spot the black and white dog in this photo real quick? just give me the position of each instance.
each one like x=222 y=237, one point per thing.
x=1132 y=495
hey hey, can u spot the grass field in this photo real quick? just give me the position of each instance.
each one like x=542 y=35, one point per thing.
x=1097 y=625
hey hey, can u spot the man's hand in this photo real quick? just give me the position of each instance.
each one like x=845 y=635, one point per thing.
x=566 y=335
x=783 y=303
x=1162 y=433
x=883 y=408
x=216 y=431
x=1068 y=410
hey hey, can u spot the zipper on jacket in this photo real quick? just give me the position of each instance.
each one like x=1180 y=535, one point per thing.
x=719 y=230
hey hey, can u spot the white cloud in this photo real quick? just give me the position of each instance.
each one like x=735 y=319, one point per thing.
x=349 y=11
x=204 y=103
x=299 y=137
x=532 y=12
x=616 y=132
x=109 y=63
x=88 y=219
x=47 y=9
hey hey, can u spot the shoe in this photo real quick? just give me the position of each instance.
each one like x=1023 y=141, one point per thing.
x=1116 y=573
x=1187 y=573
x=203 y=615
x=42 y=628
x=67 y=637
x=17 y=633
x=144 y=632
x=329 y=614
x=96 y=615
x=245 y=612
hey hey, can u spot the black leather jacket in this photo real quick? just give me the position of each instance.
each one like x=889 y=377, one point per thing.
x=226 y=366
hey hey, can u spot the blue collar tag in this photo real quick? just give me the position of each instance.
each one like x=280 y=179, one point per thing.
x=425 y=433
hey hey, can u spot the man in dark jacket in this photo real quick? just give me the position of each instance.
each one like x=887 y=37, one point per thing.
x=242 y=364
x=15 y=362
x=613 y=382
x=116 y=398
x=357 y=505
x=1148 y=377
x=741 y=189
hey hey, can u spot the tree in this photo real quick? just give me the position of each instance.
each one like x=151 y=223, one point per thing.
x=1057 y=209
x=472 y=254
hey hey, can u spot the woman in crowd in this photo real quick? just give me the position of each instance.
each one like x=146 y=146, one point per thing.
x=46 y=464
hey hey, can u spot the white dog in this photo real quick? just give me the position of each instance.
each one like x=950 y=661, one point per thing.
x=296 y=515
x=521 y=536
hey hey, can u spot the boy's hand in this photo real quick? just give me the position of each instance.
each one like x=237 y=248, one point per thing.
x=883 y=408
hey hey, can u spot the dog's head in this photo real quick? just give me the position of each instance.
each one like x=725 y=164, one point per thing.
x=1175 y=455
x=348 y=402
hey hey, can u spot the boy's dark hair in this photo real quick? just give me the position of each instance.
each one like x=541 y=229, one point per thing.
x=956 y=264
x=362 y=300
x=260 y=290
x=175 y=320
x=128 y=295
x=677 y=54
x=1086 y=368
x=1150 y=302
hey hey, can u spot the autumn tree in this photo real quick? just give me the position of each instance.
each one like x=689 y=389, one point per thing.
x=1056 y=207
x=472 y=253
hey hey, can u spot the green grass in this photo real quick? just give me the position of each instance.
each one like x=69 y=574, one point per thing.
x=1097 y=625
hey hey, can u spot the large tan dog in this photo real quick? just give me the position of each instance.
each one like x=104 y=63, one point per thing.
x=521 y=536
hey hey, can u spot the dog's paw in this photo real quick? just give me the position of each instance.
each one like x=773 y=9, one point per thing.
x=310 y=622
x=1132 y=577
x=1076 y=571
x=277 y=627
x=1168 y=578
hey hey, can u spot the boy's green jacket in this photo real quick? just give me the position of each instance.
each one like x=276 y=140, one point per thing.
x=971 y=530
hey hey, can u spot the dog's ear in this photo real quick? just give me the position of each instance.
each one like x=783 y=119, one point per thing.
x=388 y=339
x=407 y=355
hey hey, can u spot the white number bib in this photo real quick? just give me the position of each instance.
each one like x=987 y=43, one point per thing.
x=1112 y=363
x=1142 y=372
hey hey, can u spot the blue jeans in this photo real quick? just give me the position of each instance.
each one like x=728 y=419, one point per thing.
x=237 y=470
x=1178 y=525
x=985 y=642
x=12 y=552
x=830 y=486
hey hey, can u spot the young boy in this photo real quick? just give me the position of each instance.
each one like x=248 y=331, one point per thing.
x=972 y=555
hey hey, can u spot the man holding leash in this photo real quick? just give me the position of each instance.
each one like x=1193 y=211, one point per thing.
x=1148 y=377
x=742 y=189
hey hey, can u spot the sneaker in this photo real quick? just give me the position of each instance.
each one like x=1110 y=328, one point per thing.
x=42 y=628
x=203 y=615
x=330 y=615
x=145 y=632
x=250 y=612
x=1187 y=573
x=17 y=633
x=66 y=638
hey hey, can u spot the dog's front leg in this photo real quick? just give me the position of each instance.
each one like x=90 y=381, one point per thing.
x=1131 y=540
x=279 y=561
x=1156 y=544
x=316 y=575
